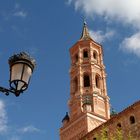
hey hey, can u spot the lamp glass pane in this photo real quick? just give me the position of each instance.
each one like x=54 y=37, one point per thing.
x=16 y=71
x=21 y=86
x=27 y=73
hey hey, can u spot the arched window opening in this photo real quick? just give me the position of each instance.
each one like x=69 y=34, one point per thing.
x=106 y=134
x=132 y=119
x=119 y=125
x=75 y=84
x=76 y=57
x=97 y=81
x=85 y=54
x=95 y=55
x=86 y=81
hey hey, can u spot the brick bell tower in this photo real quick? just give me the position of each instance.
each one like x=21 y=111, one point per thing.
x=89 y=104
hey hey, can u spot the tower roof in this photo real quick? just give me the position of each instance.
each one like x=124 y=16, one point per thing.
x=85 y=33
x=66 y=117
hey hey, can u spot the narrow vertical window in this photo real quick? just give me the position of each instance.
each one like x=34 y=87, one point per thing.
x=119 y=125
x=132 y=119
x=76 y=57
x=97 y=81
x=85 y=54
x=86 y=81
x=106 y=134
x=95 y=55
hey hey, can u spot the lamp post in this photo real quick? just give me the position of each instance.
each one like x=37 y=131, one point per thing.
x=21 y=69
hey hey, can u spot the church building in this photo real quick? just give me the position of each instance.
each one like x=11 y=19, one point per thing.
x=89 y=107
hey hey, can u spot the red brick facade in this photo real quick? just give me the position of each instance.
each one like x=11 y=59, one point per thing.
x=128 y=121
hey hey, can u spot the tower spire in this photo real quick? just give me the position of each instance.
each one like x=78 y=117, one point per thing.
x=85 y=33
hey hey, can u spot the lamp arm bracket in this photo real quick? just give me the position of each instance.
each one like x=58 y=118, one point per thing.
x=6 y=91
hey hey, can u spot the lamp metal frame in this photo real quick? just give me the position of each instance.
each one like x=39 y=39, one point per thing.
x=21 y=58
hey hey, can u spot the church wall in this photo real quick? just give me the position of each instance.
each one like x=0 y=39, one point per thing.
x=120 y=122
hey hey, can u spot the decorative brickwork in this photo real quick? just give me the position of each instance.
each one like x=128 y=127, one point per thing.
x=88 y=103
x=128 y=121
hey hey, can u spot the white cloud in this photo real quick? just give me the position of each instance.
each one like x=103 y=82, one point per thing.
x=100 y=36
x=11 y=132
x=21 y=14
x=131 y=44
x=17 y=11
x=126 y=11
x=3 y=118
x=29 y=129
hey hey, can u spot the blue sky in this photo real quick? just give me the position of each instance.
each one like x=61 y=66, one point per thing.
x=47 y=29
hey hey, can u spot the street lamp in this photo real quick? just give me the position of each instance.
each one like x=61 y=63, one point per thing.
x=21 y=69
